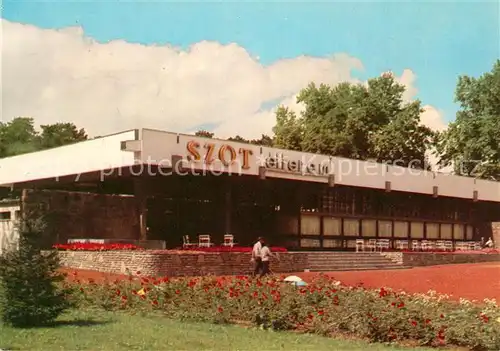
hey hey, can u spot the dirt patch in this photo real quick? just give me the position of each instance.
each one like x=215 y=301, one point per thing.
x=475 y=281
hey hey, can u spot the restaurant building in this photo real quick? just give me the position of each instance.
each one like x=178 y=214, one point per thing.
x=176 y=184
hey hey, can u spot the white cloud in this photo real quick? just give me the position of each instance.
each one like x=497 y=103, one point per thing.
x=61 y=75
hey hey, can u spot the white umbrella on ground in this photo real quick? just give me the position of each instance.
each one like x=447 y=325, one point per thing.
x=292 y=278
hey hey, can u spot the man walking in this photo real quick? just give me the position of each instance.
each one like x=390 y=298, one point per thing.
x=257 y=256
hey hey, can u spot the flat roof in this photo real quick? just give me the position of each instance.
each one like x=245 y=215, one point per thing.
x=215 y=156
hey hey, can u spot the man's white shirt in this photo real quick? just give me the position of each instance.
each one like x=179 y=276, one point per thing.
x=256 y=252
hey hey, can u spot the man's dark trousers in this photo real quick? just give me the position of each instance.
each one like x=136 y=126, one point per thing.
x=258 y=266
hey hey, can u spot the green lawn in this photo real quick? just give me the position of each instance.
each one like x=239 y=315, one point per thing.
x=80 y=330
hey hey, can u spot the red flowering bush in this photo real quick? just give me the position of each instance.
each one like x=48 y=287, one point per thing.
x=324 y=306
x=95 y=247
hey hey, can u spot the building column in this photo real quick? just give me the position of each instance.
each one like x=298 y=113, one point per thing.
x=140 y=195
x=228 y=205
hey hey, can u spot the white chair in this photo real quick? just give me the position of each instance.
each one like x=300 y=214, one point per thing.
x=415 y=245
x=383 y=244
x=360 y=245
x=371 y=245
x=440 y=245
x=460 y=246
x=448 y=245
x=426 y=245
x=402 y=244
x=228 y=240
x=204 y=240
x=186 y=243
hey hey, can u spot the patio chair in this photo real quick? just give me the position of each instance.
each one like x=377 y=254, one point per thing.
x=426 y=245
x=402 y=244
x=204 y=240
x=360 y=245
x=440 y=245
x=371 y=245
x=186 y=243
x=448 y=245
x=383 y=244
x=460 y=246
x=416 y=245
x=228 y=240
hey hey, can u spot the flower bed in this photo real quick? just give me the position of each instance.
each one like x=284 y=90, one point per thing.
x=95 y=247
x=325 y=306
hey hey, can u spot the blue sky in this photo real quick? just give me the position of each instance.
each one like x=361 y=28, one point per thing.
x=437 y=40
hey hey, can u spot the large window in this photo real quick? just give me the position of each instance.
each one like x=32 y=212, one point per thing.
x=332 y=226
x=310 y=225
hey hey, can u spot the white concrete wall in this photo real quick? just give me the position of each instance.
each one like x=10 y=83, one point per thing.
x=8 y=228
x=159 y=145
x=88 y=156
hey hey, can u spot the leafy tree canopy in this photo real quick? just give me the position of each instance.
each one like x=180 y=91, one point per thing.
x=472 y=142
x=19 y=136
x=357 y=121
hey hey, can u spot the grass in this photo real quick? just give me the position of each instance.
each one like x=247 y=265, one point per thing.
x=80 y=330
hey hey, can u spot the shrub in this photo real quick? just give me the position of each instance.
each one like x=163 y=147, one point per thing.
x=30 y=293
x=324 y=306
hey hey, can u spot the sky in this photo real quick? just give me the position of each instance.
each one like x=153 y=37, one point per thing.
x=180 y=66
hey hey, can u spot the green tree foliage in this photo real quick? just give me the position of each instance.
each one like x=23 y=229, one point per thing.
x=19 y=136
x=204 y=134
x=472 y=142
x=60 y=134
x=265 y=140
x=357 y=121
x=30 y=289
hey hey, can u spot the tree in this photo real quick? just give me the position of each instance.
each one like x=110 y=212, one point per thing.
x=60 y=134
x=472 y=142
x=204 y=134
x=29 y=281
x=357 y=121
x=265 y=140
x=19 y=136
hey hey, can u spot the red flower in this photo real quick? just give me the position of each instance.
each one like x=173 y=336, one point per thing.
x=383 y=292
x=124 y=298
x=401 y=304
x=441 y=315
x=427 y=321
x=118 y=292
x=321 y=312
x=177 y=291
x=414 y=323
x=155 y=303
x=220 y=309
x=138 y=273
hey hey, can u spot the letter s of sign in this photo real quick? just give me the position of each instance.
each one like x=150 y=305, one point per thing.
x=222 y=155
x=192 y=148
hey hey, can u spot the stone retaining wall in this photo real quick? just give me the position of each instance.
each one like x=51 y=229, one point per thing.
x=495 y=229
x=157 y=263
x=171 y=263
x=419 y=259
